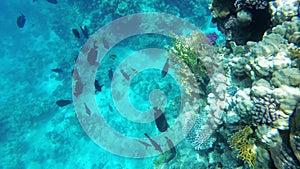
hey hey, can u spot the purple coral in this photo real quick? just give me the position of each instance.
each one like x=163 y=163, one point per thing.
x=211 y=38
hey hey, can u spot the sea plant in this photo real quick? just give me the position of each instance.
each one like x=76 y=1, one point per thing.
x=241 y=142
x=192 y=51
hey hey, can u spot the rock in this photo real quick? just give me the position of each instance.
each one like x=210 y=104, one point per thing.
x=268 y=136
x=214 y=157
x=244 y=17
x=283 y=10
x=243 y=102
x=261 y=88
x=232 y=117
x=288 y=98
x=281 y=60
x=288 y=77
x=295 y=132
x=263 y=159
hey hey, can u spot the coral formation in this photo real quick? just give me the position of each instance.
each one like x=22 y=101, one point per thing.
x=241 y=20
x=283 y=10
x=295 y=132
x=269 y=103
x=264 y=111
x=251 y=4
x=202 y=59
x=288 y=77
x=245 y=145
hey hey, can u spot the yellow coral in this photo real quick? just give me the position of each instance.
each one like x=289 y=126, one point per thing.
x=244 y=145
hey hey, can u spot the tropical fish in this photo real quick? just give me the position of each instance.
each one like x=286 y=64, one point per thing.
x=165 y=69
x=87 y=110
x=78 y=84
x=21 y=21
x=154 y=143
x=97 y=86
x=110 y=74
x=113 y=56
x=62 y=103
x=110 y=108
x=126 y=76
x=52 y=1
x=84 y=31
x=105 y=43
x=134 y=70
x=144 y=143
x=57 y=70
x=92 y=55
x=172 y=149
x=160 y=120
x=76 y=33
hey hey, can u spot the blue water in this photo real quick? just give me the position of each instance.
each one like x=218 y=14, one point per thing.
x=35 y=132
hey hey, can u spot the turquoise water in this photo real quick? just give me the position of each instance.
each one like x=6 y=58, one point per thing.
x=35 y=132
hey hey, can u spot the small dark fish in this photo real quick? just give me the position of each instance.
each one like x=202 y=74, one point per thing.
x=113 y=56
x=134 y=70
x=110 y=108
x=144 y=143
x=34 y=0
x=97 y=86
x=154 y=143
x=84 y=31
x=160 y=120
x=87 y=110
x=92 y=55
x=165 y=69
x=52 y=1
x=76 y=33
x=172 y=149
x=78 y=84
x=57 y=70
x=21 y=21
x=62 y=103
x=110 y=74
x=126 y=76
x=105 y=43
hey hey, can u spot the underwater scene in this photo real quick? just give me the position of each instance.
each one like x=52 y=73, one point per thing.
x=159 y=84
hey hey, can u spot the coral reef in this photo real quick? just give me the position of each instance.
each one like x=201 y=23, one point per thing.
x=295 y=132
x=269 y=102
x=264 y=111
x=241 y=20
x=245 y=145
x=288 y=77
x=283 y=10
x=202 y=59
x=251 y=4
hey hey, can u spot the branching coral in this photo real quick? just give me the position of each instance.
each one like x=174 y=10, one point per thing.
x=244 y=145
